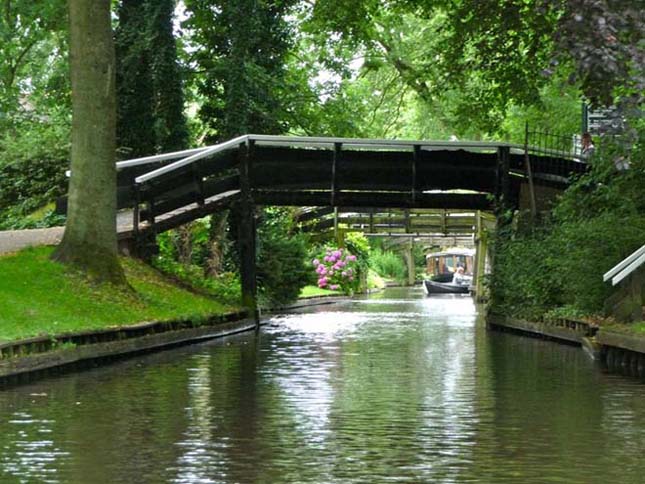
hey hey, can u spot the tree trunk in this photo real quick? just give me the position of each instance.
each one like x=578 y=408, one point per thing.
x=90 y=240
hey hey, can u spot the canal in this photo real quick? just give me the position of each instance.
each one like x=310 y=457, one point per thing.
x=396 y=387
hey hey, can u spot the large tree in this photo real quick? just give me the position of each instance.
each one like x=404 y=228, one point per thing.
x=135 y=93
x=239 y=53
x=90 y=241
x=149 y=80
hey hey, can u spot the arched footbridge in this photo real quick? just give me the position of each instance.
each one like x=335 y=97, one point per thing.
x=165 y=191
x=168 y=190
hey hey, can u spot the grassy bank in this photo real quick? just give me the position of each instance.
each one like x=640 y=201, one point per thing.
x=314 y=291
x=39 y=297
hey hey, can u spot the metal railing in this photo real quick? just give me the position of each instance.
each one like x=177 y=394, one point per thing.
x=625 y=267
x=552 y=144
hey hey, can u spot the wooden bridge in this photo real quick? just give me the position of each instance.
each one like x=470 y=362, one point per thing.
x=168 y=190
x=342 y=174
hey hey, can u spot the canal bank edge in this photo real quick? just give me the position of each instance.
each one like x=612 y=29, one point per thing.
x=25 y=358
x=564 y=330
x=619 y=351
x=34 y=355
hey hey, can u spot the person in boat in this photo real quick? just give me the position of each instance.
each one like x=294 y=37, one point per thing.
x=459 y=278
x=588 y=147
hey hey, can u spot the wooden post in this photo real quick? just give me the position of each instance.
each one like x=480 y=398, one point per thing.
x=415 y=162
x=480 y=259
x=334 y=169
x=336 y=233
x=410 y=260
x=135 y=211
x=247 y=234
x=503 y=178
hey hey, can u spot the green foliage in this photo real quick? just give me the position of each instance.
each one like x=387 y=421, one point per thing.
x=563 y=265
x=14 y=219
x=282 y=259
x=599 y=221
x=33 y=161
x=557 y=110
x=34 y=107
x=604 y=188
x=225 y=287
x=32 y=50
x=374 y=281
x=357 y=244
x=388 y=264
x=183 y=254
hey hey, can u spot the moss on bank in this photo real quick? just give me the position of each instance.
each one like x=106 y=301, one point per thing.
x=38 y=296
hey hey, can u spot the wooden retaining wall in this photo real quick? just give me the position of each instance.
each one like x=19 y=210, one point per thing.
x=35 y=355
x=565 y=330
x=622 y=353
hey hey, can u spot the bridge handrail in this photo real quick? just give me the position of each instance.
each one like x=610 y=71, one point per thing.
x=625 y=267
x=120 y=165
x=191 y=159
x=197 y=154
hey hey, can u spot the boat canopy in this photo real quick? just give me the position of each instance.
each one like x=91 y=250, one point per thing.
x=455 y=251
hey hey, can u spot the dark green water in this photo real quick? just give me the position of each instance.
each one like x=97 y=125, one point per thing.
x=395 y=388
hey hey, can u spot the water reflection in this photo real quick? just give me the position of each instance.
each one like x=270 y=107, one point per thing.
x=396 y=387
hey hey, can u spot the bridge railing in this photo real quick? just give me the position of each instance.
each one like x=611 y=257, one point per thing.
x=626 y=267
x=550 y=151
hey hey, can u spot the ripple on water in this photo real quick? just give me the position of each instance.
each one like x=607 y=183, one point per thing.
x=395 y=388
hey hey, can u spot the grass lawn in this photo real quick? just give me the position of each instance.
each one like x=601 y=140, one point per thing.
x=38 y=296
x=311 y=291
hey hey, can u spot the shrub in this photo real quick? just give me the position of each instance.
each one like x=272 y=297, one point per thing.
x=337 y=269
x=388 y=264
x=282 y=258
x=558 y=267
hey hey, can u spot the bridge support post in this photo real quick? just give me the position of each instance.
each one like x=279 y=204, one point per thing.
x=480 y=259
x=409 y=259
x=247 y=236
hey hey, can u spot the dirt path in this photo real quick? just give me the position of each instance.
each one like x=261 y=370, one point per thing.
x=14 y=240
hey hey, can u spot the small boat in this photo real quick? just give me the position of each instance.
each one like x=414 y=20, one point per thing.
x=433 y=287
x=441 y=266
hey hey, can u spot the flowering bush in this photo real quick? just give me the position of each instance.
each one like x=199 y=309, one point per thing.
x=337 y=270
